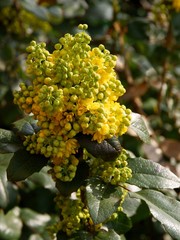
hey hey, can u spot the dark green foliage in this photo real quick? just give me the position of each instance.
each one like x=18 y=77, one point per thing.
x=145 y=37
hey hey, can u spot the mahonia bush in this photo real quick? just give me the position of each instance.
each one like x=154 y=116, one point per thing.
x=74 y=90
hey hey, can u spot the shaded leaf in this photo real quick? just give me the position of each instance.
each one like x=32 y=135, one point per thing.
x=9 y=142
x=165 y=209
x=82 y=235
x=26 y=126
x=82 y=173
x=10 y=225
x=121 y=224
x=137 y=28
x=148 y=174
x=102 y=199
x=108 y=235
x=108 y=149
x=23 y=164
x=139 y=127
x=136 y=209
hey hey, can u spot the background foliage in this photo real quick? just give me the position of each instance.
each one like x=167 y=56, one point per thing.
x=145 y=37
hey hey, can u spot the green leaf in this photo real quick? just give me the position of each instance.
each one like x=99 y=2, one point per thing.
x=26 y=126
x=42 y=179
x=55 y=14
x=108 y=149
x=10 y=225
x=135 y=209
x=32 y=6
x=35 y=237
x=4 y=161
x=139 y=127
x=23 y=164
x=121 y=224
x=165 y=209
x=35 y=221
x=5 y=3
x=137 y=29
x=148 y=174
x=102 y=199
x=81 y=235
x=108 y=235
x=82 y=173
x=9 y=142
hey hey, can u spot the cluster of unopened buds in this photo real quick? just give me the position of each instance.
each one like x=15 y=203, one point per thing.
x=74 y=90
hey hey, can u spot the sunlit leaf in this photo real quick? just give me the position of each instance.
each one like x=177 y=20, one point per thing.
x=10 y=225
x=148 y=174
x=165 y=209
x=39 y=11
x=139 y=127
x=36 y=221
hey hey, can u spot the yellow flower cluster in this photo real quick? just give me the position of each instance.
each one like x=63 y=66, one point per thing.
x=176 y=4
x=73 y=89
x=114 y=172
x=74 y=214
x=21 y=22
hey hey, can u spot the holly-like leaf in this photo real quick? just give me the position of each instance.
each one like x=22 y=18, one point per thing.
x=121 y=224
x=165 y=209
x=26 y=126
x=108 y=235
x=23 y=164
x=108 y=149
x=102 y=199
x=148 y=174
x=9 y=142
x=10 y=225
x=139 y=127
